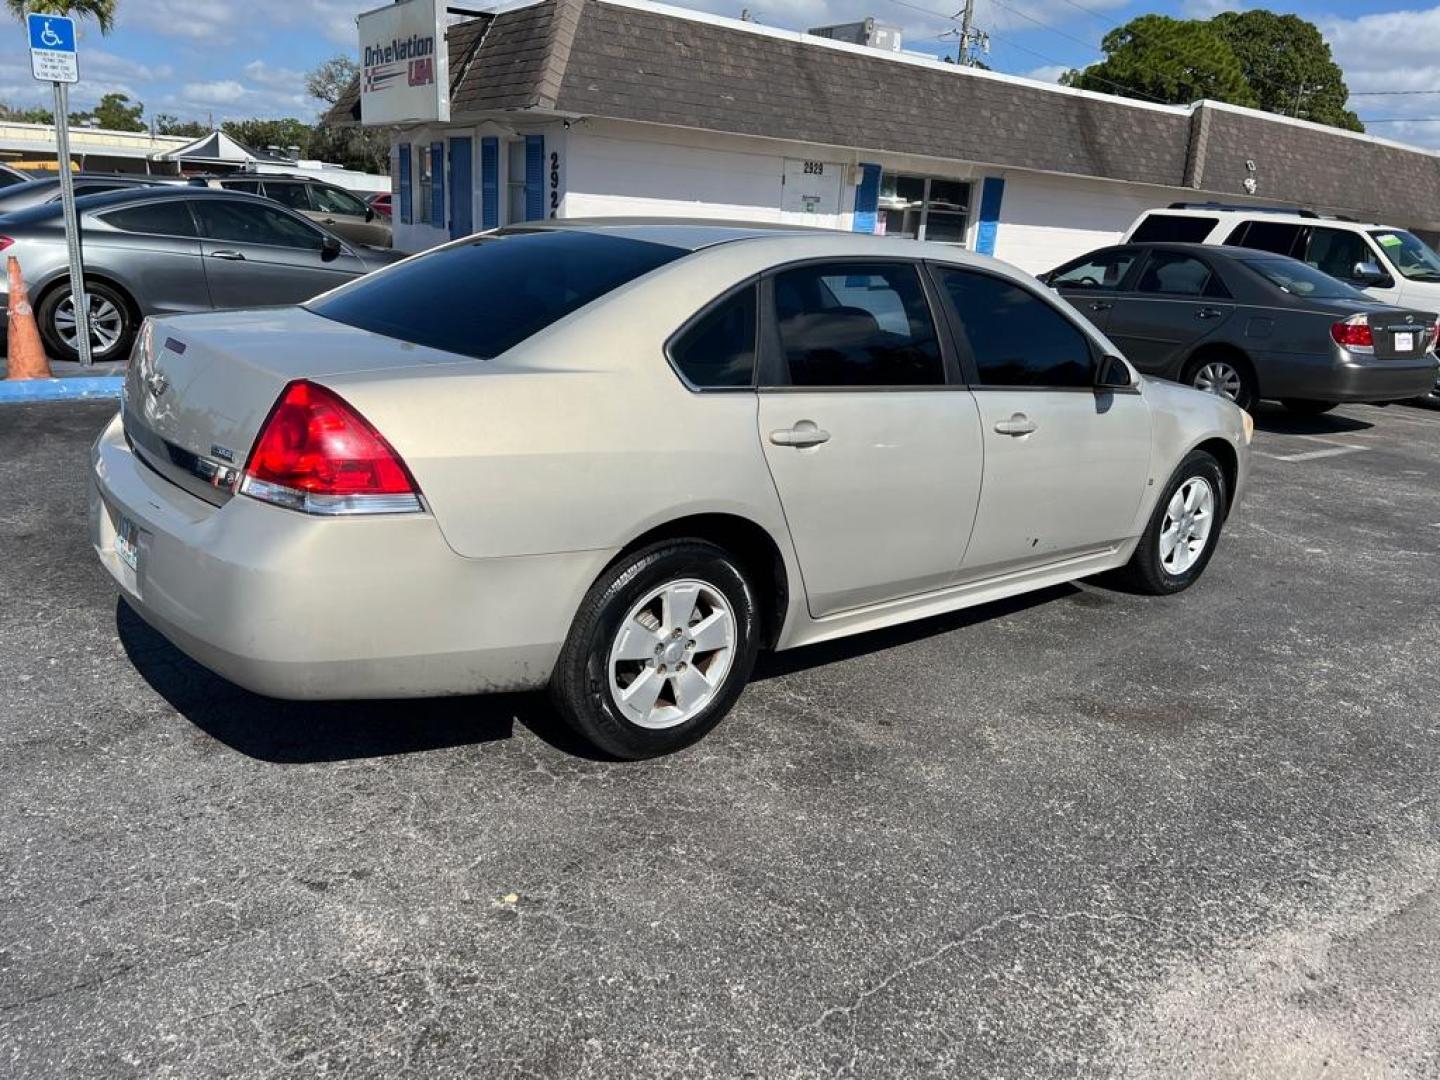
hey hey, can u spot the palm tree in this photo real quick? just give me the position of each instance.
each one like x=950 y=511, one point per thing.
x=102 y=11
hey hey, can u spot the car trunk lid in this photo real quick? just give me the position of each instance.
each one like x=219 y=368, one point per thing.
x=199 y=387
x=1402 y=334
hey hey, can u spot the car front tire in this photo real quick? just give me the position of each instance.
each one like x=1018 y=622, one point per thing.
x=661 y=648
x=112 y=327
x=1183 y=529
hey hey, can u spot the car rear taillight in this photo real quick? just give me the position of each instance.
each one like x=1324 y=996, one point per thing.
x=5 y=242
x=317 y=454
x=1354 y=334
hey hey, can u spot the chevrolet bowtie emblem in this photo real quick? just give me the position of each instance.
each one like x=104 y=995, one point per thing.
x=156 y=383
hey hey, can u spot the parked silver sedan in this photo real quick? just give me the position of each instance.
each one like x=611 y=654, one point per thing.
x=619 y=459
x=167 y=250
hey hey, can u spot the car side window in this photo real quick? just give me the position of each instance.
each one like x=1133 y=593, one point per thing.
x=718 y=349
x=255 y=223
x=170 y=217
x=1336 y=251
x=334 y=201
x=1015 y=337
x=250 y=187
x=295 y=196
x=856 y=324
x=1103 y=270
x=1279 y=237
x=1173 y=274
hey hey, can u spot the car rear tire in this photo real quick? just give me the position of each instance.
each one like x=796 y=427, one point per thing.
x=1183 y=529
x=112 y=327
x=662 y=646
x=1306 y=407
x=1225 y=375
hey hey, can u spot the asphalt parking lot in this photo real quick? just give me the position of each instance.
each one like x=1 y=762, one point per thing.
x=1082 y=833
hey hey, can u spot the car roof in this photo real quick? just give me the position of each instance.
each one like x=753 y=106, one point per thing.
x=1262 y=213
x=686 y=233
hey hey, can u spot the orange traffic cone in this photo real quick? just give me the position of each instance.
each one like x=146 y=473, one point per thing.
x=27 y=355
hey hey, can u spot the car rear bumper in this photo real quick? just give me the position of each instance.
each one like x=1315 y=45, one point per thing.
x=295 y=606
x=1347 y=377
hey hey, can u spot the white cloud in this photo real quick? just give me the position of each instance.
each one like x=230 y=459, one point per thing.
x=1207 y=9
x=1392 y=50
x=220 y=92
x=276 y=77
x=1049 y=73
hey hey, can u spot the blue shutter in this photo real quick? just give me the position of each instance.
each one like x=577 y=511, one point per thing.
x=404 y=167
x=489 y=182
x=990 y=196
x=534 y=177
x=462 y=187
x=437 y=184
x=867 y=199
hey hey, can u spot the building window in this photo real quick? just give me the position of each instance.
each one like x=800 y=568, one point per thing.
x=923 y=208
x=423 y=183
x=515 y=180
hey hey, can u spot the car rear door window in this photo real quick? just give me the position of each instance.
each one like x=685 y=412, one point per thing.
x=334 y=201
x=250 y=187
x=1173 y=229
x=255 y=223
x=295 y=196
x=718 y=349
x=1170 y=273
x=170 y=217
x=1101 y=270
x=484 y=295
x=1015 y=337
x=1279 y=237
x=856 y=324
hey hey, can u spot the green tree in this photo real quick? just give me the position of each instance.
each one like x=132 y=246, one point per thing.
x=102 y=11
x=1163 y=59
x=27 y=116
x=116 y=113
x=168 y=124
x=258 y=134
x=1288 y=65
x=366 y=149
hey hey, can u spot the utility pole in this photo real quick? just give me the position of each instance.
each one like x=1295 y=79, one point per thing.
x=972 y=41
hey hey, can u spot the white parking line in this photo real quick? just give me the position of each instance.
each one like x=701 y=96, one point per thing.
x=1316 y=455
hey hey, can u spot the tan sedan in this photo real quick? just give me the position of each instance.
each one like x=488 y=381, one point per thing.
x=617 y=459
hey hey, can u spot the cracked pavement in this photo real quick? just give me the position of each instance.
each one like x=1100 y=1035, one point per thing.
x=1081 y=833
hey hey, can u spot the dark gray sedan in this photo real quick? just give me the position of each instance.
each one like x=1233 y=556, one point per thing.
x=168 y=250
x=1250 y=324
x=32 y=192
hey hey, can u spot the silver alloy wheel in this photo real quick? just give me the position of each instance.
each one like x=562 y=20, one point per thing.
x=1186 y=529
x=1219 y=378
x=672 y=653
x=107 y=322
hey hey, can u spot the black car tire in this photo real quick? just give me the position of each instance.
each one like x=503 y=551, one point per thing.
x=99 y=291
x=1306 y=407
x=581 y=684
x=1145 y=572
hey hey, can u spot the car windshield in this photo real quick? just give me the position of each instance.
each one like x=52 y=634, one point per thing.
x=483 y=295
x=1409 y=254
x=1302 y=279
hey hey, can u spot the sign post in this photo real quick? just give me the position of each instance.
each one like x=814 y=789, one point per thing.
x=53 y=59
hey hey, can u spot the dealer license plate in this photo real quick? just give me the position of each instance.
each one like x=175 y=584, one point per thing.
x=127 y=542
x=1404 y=342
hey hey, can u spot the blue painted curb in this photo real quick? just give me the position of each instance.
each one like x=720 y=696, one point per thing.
x=81 y=387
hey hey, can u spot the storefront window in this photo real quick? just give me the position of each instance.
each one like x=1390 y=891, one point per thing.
x=422 y=160
x=923 y=208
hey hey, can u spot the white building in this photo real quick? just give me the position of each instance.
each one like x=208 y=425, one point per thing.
x=585 y=108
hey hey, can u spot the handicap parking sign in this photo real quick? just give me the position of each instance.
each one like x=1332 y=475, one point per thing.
x=52 y=48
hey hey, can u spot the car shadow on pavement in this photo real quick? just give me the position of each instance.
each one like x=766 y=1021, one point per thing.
x=1280 y=421
x=308 y=732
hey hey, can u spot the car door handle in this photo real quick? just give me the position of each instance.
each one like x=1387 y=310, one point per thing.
x=802 y=435
x=226 y=253
x=1100 y=305
x=1019 y=424
x=1209 y=313
x=329 y=221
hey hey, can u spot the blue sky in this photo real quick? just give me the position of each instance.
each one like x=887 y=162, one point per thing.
x=240 y=58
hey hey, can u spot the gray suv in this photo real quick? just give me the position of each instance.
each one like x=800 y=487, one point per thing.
x=344 y=214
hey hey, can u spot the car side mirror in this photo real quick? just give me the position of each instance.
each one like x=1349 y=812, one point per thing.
x=1112 y=374
x=329 y=248
x=1369 y=273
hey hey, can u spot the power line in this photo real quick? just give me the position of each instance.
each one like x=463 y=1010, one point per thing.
x=1389 y=93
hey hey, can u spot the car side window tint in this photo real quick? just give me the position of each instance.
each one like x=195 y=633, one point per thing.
x=1279 y=237
x=1173 y=229
x=857 y=324
x=334 y=201
x=1335 y=252
x=170 y=217
x=251 y=187
x=1015 y=337
x=1173 y=274
x=718 y=349
x=295 y=196
x=1104 y=270
x=255 y=223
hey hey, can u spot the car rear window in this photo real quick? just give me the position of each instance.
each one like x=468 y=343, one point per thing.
x=1301 y=279
x=1173 y=229
x=484 y=295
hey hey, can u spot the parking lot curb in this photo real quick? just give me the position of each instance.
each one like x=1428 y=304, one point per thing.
x=91 y=389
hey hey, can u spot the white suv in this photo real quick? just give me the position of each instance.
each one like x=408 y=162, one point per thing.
x=1390 y=264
